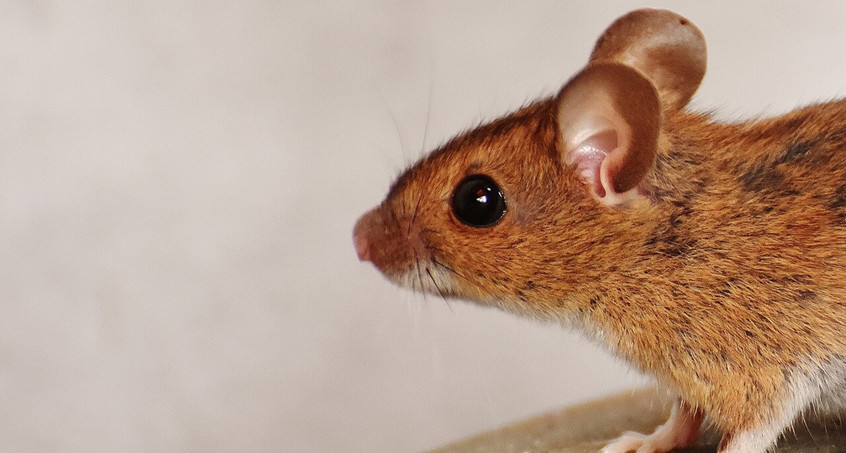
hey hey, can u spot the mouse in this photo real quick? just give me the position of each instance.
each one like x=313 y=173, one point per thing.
x=709 y=255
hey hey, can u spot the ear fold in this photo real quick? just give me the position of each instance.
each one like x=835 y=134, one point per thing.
x=667 y=48
x=647 y=63
x=609 y=117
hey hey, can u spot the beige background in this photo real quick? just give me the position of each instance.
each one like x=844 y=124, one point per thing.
x=178 y=184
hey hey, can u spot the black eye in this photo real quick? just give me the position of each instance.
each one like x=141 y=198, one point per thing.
x=478 y=201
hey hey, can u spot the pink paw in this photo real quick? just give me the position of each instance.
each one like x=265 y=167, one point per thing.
x=640 y=443
x=681 y=430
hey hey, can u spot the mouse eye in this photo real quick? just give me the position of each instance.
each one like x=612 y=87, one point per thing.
x=478 y=201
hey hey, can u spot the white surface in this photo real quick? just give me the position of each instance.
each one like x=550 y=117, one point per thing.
x=178 y=185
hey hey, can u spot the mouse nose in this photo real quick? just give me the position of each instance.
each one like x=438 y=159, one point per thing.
x=360 y=236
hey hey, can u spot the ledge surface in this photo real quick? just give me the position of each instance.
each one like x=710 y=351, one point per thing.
x=588 y=427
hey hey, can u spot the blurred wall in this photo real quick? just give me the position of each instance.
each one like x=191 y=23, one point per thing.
x=178 y=185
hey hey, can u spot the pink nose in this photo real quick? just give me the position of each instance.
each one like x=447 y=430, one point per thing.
x=360 y=236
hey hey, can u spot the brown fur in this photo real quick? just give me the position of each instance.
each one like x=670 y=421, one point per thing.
x=725 y=278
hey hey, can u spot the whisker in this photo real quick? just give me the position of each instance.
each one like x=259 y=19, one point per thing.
x=404 y=211
x=405 y=157
x=438 y=263
x=419 y=276
x=428 y=116
x=414 y=213
x=393 y=213
x=429 y=230
x=440 y=291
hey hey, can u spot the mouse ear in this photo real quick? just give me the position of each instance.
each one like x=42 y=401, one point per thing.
x=609 y=117
x=664 y=46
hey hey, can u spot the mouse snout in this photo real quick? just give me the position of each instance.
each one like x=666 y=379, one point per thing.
x=381 y=240
x=362 y=234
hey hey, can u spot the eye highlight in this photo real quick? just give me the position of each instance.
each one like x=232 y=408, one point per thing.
x=478 y=201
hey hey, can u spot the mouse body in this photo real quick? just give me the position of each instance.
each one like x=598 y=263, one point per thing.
x=709 y=255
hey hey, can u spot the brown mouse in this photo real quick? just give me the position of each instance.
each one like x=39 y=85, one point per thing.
x=709 y=255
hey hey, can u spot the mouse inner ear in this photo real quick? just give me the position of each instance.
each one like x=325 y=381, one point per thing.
x=609 y=117
x=667 y=48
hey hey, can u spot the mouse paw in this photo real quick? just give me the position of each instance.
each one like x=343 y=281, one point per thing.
x=631 y=441
x=681 y=430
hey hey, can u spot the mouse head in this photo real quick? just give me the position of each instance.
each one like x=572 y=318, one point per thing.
x=511 y=212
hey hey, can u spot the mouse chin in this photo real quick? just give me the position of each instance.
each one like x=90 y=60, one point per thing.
x=427 y=277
